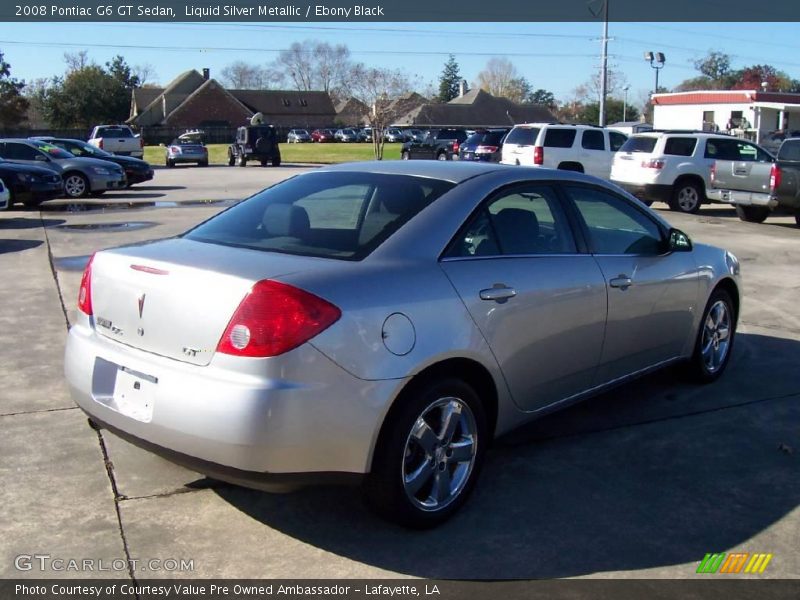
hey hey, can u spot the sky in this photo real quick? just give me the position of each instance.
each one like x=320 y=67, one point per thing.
x=554 y=56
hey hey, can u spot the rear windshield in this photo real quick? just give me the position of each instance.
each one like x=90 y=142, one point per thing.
x=559 y=138
x=639 y=144
x=485 y=138
x=121 y=132
x=523 y=136
x=330 y=215
x=790 y=150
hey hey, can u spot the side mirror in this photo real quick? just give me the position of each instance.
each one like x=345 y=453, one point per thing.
x=679 y=241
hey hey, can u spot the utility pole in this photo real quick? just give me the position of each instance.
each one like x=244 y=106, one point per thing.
x=604 y=66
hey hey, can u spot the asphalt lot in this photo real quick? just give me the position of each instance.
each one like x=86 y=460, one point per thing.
x=638 y=483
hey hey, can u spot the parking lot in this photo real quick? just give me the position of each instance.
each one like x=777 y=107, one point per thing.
x=641 y=482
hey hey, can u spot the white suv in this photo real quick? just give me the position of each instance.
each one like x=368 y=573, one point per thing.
x=671 y=166
x=582 y=148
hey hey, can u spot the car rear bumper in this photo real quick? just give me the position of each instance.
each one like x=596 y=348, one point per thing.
x=189 y=158
x=652 y=192
x=243 y=420
x=100 y=183
x=741 y=198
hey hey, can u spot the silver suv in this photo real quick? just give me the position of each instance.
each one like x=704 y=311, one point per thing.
x=582 y=148
x=672 y=167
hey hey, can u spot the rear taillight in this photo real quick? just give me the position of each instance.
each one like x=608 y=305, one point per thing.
x=456 y=146
x=141 y=142
x=85 y=290
x=713 y=174
x=538 y=155
x=485 y=149
x=775 y=176
x=653 y=163
x=100 y=143
x=274 y=318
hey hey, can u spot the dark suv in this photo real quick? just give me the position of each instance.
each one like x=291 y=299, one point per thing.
x=439 y=144
x=255 y=142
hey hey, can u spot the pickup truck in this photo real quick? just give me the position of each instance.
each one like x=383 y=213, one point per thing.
x=757 y=184
x=117 y=139
x=439 y=144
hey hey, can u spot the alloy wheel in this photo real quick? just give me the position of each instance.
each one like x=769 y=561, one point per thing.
x=75 y=186
x=716 y=336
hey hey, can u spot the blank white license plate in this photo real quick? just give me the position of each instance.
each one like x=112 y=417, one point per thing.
x=134 y=396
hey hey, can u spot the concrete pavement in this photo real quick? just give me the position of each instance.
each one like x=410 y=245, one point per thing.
x=641 y=482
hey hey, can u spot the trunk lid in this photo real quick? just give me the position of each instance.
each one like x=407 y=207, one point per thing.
x=626 y=165
x=175 y=297
x=746 y=176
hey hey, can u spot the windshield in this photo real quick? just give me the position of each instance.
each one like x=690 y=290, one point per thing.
x=485 y=138
x=330 y=215
x=53 y=150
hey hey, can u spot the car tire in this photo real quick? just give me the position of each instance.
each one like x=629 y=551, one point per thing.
x=686 y=198
x=752 y=214
x=405 y=155
x=203 y=163
x=170 y=164
x=423 y=471
x=76 y=185
x=796 y=218
x=231 y=159
x=715 y=338
x=441 y=156
x=276 y=161
x=241 y=160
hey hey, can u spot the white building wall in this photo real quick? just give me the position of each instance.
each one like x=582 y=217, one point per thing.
x=690 y=116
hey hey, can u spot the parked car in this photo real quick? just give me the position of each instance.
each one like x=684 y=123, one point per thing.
x=298 y=136
x=5 y=196
x=391 y=318
x=755 y=182
x=29 y=185
x=672 y=167
x=136 y=170
x=486 y=146
x=365 y=135
x=117 y=139
x=255 y=142
x=438 y=144
x=395 y=135
x=773 y=140
x=345 y=135
x=582 y=148
x=189 y=147
x=81 y=176
x=323 y=135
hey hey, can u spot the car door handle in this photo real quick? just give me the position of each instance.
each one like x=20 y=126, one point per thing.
x=621 y=281
x=498 y=293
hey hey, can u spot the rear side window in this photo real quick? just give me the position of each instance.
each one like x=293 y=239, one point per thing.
x=680 y=146
x=644 y=144
x=593 y=140
x=330 y=215
x=523 y=136
x=559 y=138
x=617 y=140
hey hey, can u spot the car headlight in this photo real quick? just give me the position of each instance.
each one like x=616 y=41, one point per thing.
x=733 y=263
x=100 y=171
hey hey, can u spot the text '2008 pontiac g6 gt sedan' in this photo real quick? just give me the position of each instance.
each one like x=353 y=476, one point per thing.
x=382 y=322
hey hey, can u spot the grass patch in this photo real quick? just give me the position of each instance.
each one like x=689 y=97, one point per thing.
x=302 y=153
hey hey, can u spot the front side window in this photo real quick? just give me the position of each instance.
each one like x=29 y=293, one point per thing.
x=523 y=221
x=615 y=226
x=330 y=215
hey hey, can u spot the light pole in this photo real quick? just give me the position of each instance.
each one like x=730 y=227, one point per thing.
x=625 y=103
x=657 y=60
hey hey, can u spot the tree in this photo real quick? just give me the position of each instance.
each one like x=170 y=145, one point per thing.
x=715 y=65
x=240 y=75
x=315 y=65
x=499 y=77
x=76 y=60
x=123 y=73
x=751 y=78
x=590 y=90
x=13 y=105
x=376 y=88
x=449 y=80
x=543 y=97
x=145 y=73
x=85 y=97
x=615 y=111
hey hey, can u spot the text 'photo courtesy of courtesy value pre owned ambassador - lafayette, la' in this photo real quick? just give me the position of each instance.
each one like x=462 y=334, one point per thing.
x=382 y=322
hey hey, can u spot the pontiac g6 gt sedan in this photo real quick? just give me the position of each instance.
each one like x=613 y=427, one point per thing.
x=383 y=322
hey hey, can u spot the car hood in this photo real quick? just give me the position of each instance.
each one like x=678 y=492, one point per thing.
x=125 y=161
x=81 y=163
x=20 y=168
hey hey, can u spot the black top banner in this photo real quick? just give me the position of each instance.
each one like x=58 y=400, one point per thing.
x=402 y=10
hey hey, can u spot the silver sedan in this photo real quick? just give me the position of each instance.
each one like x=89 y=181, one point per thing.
x=382 y=322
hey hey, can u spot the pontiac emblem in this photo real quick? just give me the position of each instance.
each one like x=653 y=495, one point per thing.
x=141 y=305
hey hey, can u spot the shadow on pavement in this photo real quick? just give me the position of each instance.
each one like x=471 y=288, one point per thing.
x=8 y=246
x=29 y=223
x=655 y=473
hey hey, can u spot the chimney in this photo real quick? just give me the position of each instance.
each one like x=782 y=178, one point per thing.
x=462 y=87
x=206 y=74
